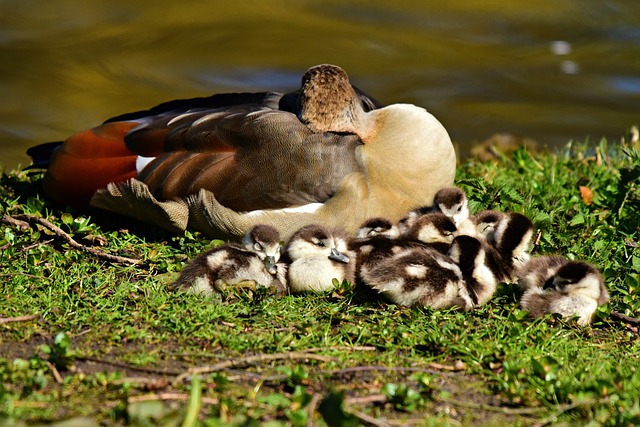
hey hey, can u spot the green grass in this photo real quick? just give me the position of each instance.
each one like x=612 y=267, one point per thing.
x=108 y=344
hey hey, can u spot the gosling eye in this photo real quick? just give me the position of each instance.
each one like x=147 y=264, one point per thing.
x=257 y=246
x=459 y=208
x=320 y=243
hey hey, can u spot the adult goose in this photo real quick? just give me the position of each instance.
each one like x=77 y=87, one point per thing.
x=222 y=164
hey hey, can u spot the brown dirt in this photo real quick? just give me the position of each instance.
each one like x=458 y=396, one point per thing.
x=467 y=399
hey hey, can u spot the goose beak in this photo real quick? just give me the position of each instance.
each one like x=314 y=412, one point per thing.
x=336 y=255
x=270 y=264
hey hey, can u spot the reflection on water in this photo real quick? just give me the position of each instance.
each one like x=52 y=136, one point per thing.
x=551 y=70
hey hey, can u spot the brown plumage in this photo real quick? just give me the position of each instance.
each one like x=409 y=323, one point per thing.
x=273 y=168
x=250 y=149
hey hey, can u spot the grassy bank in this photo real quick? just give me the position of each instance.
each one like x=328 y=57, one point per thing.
x=89 y=334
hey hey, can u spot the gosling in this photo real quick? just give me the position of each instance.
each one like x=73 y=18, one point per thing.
x=573 y=289
x=253 y=264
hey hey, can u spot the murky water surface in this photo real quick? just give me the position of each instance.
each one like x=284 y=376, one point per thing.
x=550 y=69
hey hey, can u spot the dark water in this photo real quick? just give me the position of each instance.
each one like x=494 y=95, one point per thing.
x=551 y=70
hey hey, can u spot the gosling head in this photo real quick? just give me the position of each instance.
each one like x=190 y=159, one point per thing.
x=452 y=202
x=578 y=278
x=314 y=240
x=535 y=272
x=486 y=222
x=377 y=227
x=410 y=218
x=317 y=256
x=264 y=240
x=433 y=227
x=575 y=289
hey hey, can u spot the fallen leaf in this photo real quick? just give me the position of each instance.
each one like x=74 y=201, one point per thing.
x=587 y=194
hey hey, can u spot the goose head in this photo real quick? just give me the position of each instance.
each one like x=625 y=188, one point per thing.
x=327 y=101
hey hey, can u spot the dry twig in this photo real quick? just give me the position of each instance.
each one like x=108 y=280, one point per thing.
x=29 y=404
x=54 y=371
x=312 y=407
x=387 y=369
x=561 y=409
x=168 y=396
x=457 y=367
x=500 y=409
x=368 y=420
x=250 y=360
x=17 y=319
x=131 y=367
x=342 y=348
x=365 y=400
x=615 y=315
x=156 y=383
x=17 y=219
x=15 y=222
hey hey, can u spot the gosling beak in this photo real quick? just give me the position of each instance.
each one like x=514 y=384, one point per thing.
x=336 y=255
x=549 y=284
x=270 y=264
